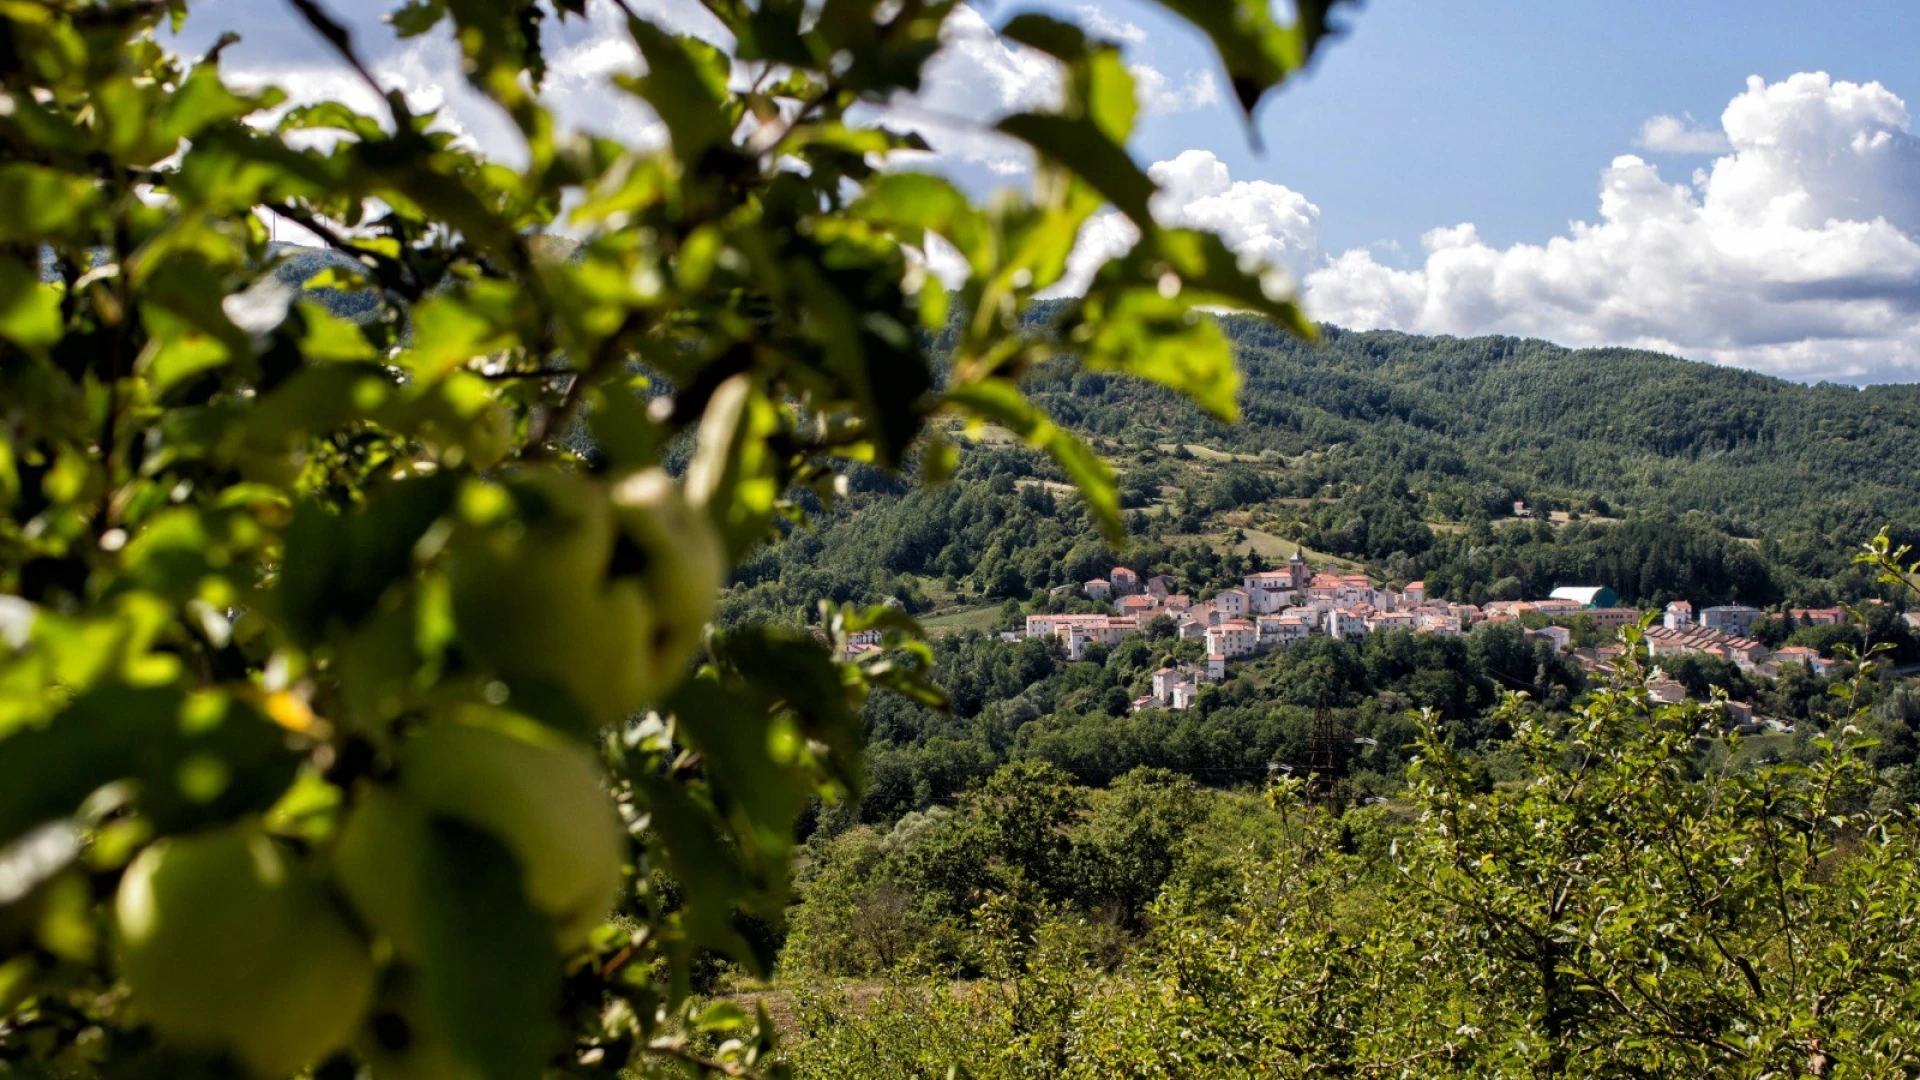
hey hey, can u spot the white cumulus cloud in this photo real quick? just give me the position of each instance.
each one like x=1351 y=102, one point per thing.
x=1680 y=135
x=1100 y=24
x=1161 y=96
x=1797 y=252
x=1269 y=225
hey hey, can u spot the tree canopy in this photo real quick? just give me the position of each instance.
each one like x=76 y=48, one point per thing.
x=356 y=702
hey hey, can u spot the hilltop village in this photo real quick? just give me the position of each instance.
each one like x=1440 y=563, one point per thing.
x=1273 y=609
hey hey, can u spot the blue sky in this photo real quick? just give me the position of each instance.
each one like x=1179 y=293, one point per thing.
x=1737 y=183
x=1432 y=112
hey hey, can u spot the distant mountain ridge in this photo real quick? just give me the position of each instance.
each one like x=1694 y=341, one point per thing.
x=1641 y=430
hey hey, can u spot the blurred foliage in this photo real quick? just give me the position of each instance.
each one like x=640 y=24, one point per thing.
x=358 y=707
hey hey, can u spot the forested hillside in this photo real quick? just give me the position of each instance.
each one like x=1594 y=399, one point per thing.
x=1483 y=421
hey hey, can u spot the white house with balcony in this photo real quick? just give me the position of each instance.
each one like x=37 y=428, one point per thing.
x=1234 y=637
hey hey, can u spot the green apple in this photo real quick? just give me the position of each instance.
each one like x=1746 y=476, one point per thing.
x=531 y=596
x=401 y=1041
x=681 y=572
x=536 y=791
x=380 y=849
x=229 y=945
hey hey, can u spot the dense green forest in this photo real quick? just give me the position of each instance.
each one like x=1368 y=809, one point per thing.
x=1477 y=423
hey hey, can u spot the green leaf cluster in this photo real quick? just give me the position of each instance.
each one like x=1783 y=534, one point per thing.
x=371 y=590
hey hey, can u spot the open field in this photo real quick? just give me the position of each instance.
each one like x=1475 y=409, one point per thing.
x=962 y=619
x=1207 y=453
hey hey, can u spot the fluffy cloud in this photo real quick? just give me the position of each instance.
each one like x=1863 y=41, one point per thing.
x=1159 y=96
x=975 y=78
x=1796 y=253
x=1100 y=24
x=1677 y=135
x=1269 y=225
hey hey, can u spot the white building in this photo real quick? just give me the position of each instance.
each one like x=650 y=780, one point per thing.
x=1164 y=681
x=1281 y=630
x=1269 y=591
x=1231 y=602
x=1099 y=588
x=1393 y=620
x=1234 y=637
x=1679 y=615
x=1347 y=623
x=1561 y=637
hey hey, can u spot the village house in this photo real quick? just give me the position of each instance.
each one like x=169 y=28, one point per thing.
x=1348 y=623
x=1099 y=588
x=1164 y=681
x=1137 y=605
x=1600 y=661
x=862 y=643
x=1809 y=658
x=1178 y=602
x=1665 y=691
x=1078 y=631
x=1159 y=585
x=1678 y=616
x=1561 y=637
x=1735 y=619
x=1827 y=616
x=1610 y=619
x=1174 y=688
x=1392 y=620
x=1506 y=610
x=1231 y=602
x=1234 y=637
x=1277 y=631
x=1125 y=582
x=1340 y=590
x=1559 y=608
x=1415 y=593
x=1269 y=590
x=1079 y=636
